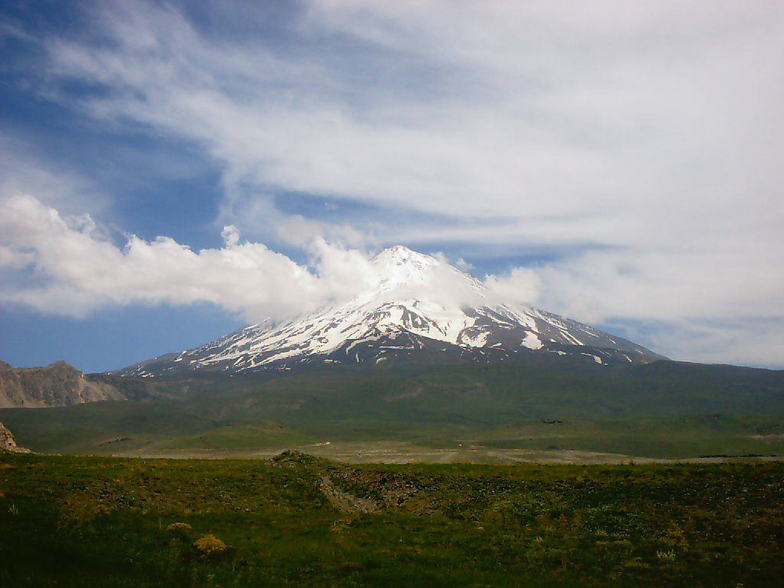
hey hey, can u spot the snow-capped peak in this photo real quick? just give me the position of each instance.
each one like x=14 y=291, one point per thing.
x=400 y=265
x=415 y=302
x=402 y=255
x=406 y=274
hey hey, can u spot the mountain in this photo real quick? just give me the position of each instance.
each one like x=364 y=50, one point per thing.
x=415 y=307
x=59 y=384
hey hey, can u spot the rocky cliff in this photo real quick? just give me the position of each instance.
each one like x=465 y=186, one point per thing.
x=8 y=442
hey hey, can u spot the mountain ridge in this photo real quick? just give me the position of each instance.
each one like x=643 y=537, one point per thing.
x=58 y=384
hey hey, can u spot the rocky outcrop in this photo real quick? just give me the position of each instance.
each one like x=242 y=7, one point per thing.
x=59 y=384
x=8 y=442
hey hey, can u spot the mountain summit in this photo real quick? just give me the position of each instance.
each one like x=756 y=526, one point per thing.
x=415 y=306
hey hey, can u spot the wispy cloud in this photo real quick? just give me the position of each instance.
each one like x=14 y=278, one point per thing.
x=24 y=170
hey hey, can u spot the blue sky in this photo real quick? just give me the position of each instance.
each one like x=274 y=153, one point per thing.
x=616 y=162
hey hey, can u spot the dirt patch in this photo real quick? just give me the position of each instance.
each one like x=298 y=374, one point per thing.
x=769 y=437
x=344 y=501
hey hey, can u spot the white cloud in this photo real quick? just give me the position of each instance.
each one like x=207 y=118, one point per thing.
x=230 y=235
x=520 y=285
x=557 y=112
x=74 y=269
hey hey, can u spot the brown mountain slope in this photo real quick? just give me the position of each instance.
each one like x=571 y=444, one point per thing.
x=59 y=384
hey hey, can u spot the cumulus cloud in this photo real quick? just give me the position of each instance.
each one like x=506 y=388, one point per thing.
x=73 y=268
x=521 y=285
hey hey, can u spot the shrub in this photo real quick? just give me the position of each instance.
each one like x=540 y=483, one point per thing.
x=179 y=528
x=210 y=546
x=666 y=555
x=80 y=510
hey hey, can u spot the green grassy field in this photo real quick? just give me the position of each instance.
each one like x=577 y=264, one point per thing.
x=297 y=520
x=150 y=429
x=477 y=413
